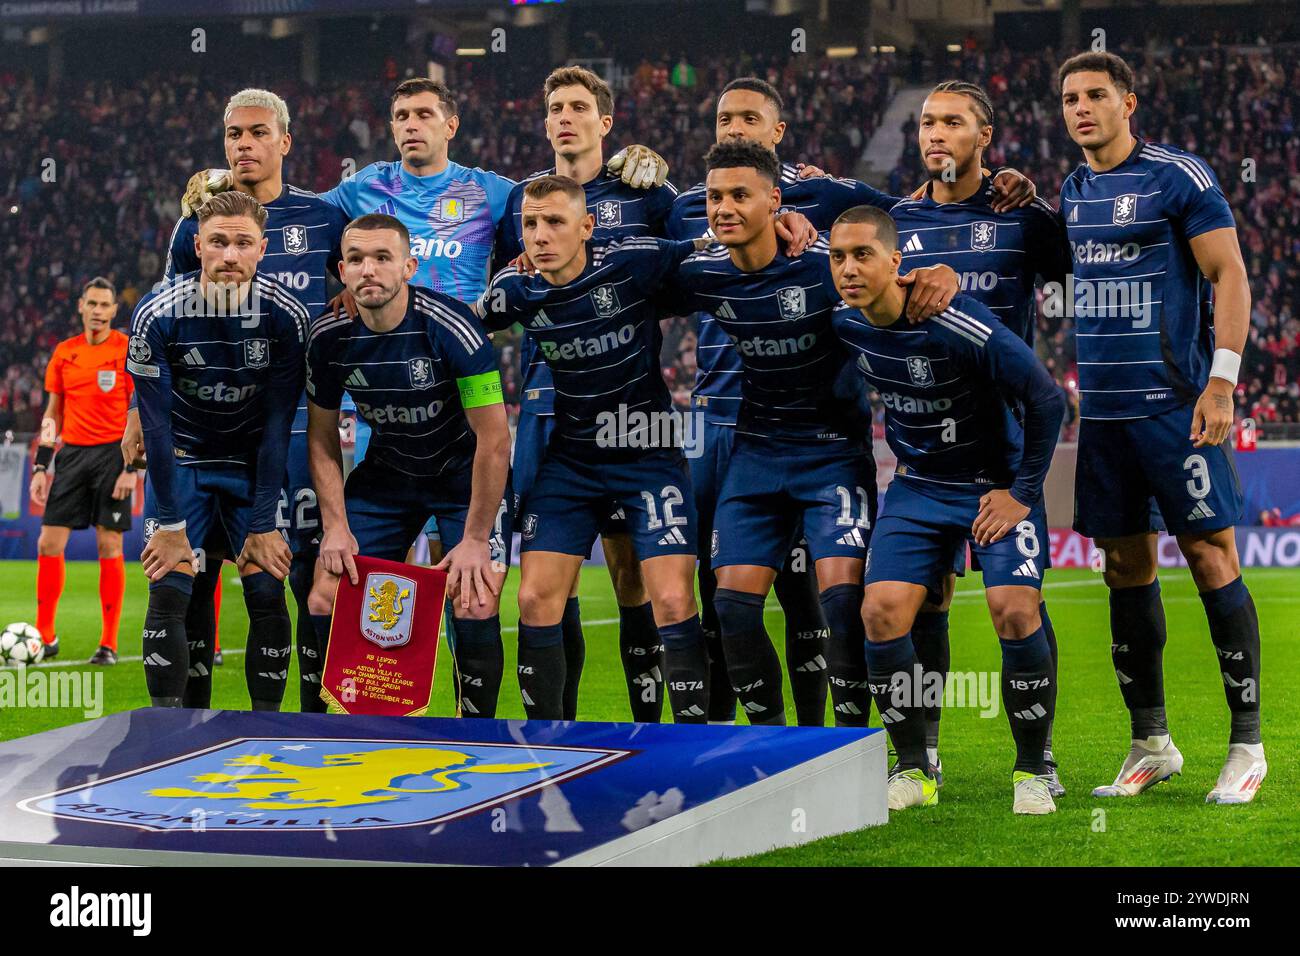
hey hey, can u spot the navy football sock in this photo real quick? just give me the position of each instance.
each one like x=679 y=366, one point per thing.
x=320 y=628
x=1029 y=696
x=930 y=638
x=541 y=671
x=575 y=655
x=641 y=648
x=687 y=664
x=722 y=699
x=1137 y=646
x=806 y=638
x=164 y=645
x=201 y=635
x=893 y=670
x=1234 y=628
x=480 y=661
x=1050 y=633
x=752 y=664
x=311 y=661
x=270 y=640
x=850 y=694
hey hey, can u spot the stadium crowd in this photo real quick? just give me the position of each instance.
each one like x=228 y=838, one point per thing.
x=94 y=170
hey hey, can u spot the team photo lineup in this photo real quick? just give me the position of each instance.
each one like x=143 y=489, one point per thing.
x=430 y=361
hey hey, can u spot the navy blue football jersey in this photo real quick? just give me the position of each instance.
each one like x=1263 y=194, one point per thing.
x=942 y=383
x=599 y=334
x=406 y=382
x=218 y=385
x=303 y=233
x=778 y=321
x=821 y=199
x=996 y=255
x=620 y=213
x=1142 y=321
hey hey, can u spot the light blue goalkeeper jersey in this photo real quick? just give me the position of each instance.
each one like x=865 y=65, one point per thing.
x=452 y=218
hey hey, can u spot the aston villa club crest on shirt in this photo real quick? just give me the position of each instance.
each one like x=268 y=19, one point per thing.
x=295 y=239
x=257 y=353
x=918 y=367
x=388 y=609
x=421 y=370
x=1126 y=209
x=451 y=209
x=983 y=235
x=106 y=379
x=605 y=299
x=792 y=302
x=609 y=213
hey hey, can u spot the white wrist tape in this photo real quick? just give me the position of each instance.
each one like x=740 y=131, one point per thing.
x=178 y=526
x=1226 y=365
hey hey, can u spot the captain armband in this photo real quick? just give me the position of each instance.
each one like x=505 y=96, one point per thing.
x=479 y=390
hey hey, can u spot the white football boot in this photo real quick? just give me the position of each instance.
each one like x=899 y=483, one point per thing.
x=1033 y=793
x=1149 y=762
x=1242 y=773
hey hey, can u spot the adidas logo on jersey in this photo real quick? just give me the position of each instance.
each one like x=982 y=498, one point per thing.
x=725 y=311
x=1074 y=215
x=1202 y=510
x=541 y=319
x=914 y=244
x=852 y=538
x=1026 y=570
x=356 y=380
x=193 y=357
x=674 y=536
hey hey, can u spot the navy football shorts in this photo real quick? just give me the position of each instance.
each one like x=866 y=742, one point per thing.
x=216 y=503
x=387 y=510
x=572 y=498
x=299 y=515
x=921 y=524
x=1138 y=475
x=772 y=489
x=532 y=434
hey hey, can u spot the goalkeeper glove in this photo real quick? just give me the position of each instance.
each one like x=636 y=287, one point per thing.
x=202 y=186
x=641 y=167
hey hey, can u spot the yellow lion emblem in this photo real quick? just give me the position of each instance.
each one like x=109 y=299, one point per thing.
x=345 y=780
x=386 y=604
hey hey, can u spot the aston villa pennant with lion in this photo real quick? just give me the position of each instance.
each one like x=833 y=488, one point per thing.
x=383 y=644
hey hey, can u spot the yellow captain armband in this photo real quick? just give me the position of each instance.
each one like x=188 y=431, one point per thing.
x=479 y=390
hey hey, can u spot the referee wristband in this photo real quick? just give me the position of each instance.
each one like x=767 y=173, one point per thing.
x=1226 y=365
x=44 y=455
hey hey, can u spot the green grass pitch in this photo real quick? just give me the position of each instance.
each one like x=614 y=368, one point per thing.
x=973 y=823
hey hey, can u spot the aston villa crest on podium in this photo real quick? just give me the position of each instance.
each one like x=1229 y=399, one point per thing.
x=383 y=644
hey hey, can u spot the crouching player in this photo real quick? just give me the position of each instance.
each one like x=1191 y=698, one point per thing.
x=967 y=470
x=217 y=360
x=424 y=377
x=589 y=310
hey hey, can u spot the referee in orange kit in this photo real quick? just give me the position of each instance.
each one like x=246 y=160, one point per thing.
x=89 y=392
